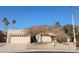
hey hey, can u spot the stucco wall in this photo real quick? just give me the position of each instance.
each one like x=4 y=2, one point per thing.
x=46 y=39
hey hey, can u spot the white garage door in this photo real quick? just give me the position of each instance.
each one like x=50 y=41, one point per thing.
x=20 y=39
x=46 y=39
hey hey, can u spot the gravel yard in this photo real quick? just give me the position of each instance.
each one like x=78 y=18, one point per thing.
x=7 y=47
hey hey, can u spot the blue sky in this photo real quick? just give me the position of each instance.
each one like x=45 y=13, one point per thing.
x=27 y=16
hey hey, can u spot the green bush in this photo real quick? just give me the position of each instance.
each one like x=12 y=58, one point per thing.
x=62 y=40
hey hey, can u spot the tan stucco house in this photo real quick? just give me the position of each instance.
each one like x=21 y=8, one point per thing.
x=25 y=37
x=20 y=36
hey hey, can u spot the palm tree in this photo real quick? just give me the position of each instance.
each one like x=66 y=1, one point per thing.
x=57 y=24
x=6 y=23
x=14 y=22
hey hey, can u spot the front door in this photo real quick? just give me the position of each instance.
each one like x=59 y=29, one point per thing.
x=33 y=39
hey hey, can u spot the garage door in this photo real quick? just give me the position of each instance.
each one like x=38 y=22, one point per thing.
x=46 y=39
x=20 y=39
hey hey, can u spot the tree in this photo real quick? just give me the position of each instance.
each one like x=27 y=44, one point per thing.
x=14 y=22
x=57 y=24
x=69 y=30
x=6 y=23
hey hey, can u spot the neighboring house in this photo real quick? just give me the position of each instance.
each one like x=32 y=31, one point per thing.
x=3 y=37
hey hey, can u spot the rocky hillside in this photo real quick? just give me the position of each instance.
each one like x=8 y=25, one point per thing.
x=60 y=34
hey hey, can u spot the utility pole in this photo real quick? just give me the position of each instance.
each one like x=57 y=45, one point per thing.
x=73 y=27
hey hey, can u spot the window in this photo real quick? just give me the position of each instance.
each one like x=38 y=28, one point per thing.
x=18 y=35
